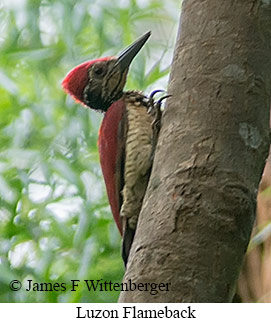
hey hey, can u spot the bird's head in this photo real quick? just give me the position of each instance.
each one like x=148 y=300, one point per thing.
x=100 y=82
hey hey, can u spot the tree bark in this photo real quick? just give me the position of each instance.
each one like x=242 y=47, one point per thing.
x=199 y=208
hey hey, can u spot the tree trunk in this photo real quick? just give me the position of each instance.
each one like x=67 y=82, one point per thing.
x=199 y=208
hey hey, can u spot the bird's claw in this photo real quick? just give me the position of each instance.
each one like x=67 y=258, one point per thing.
x=154 y=92
x=159 y=102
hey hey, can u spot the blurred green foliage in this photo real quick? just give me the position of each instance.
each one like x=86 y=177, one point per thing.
x=55 y=221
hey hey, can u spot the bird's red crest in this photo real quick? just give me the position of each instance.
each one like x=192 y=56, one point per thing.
x=76 y=80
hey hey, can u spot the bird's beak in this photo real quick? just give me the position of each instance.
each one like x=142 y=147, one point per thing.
x=125 y=58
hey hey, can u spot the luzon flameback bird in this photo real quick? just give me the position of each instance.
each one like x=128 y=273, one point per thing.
x=127 y=136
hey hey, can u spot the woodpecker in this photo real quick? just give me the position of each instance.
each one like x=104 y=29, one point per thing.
x=127 y=135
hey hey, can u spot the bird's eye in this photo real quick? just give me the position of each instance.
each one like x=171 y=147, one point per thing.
x=98 y=70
